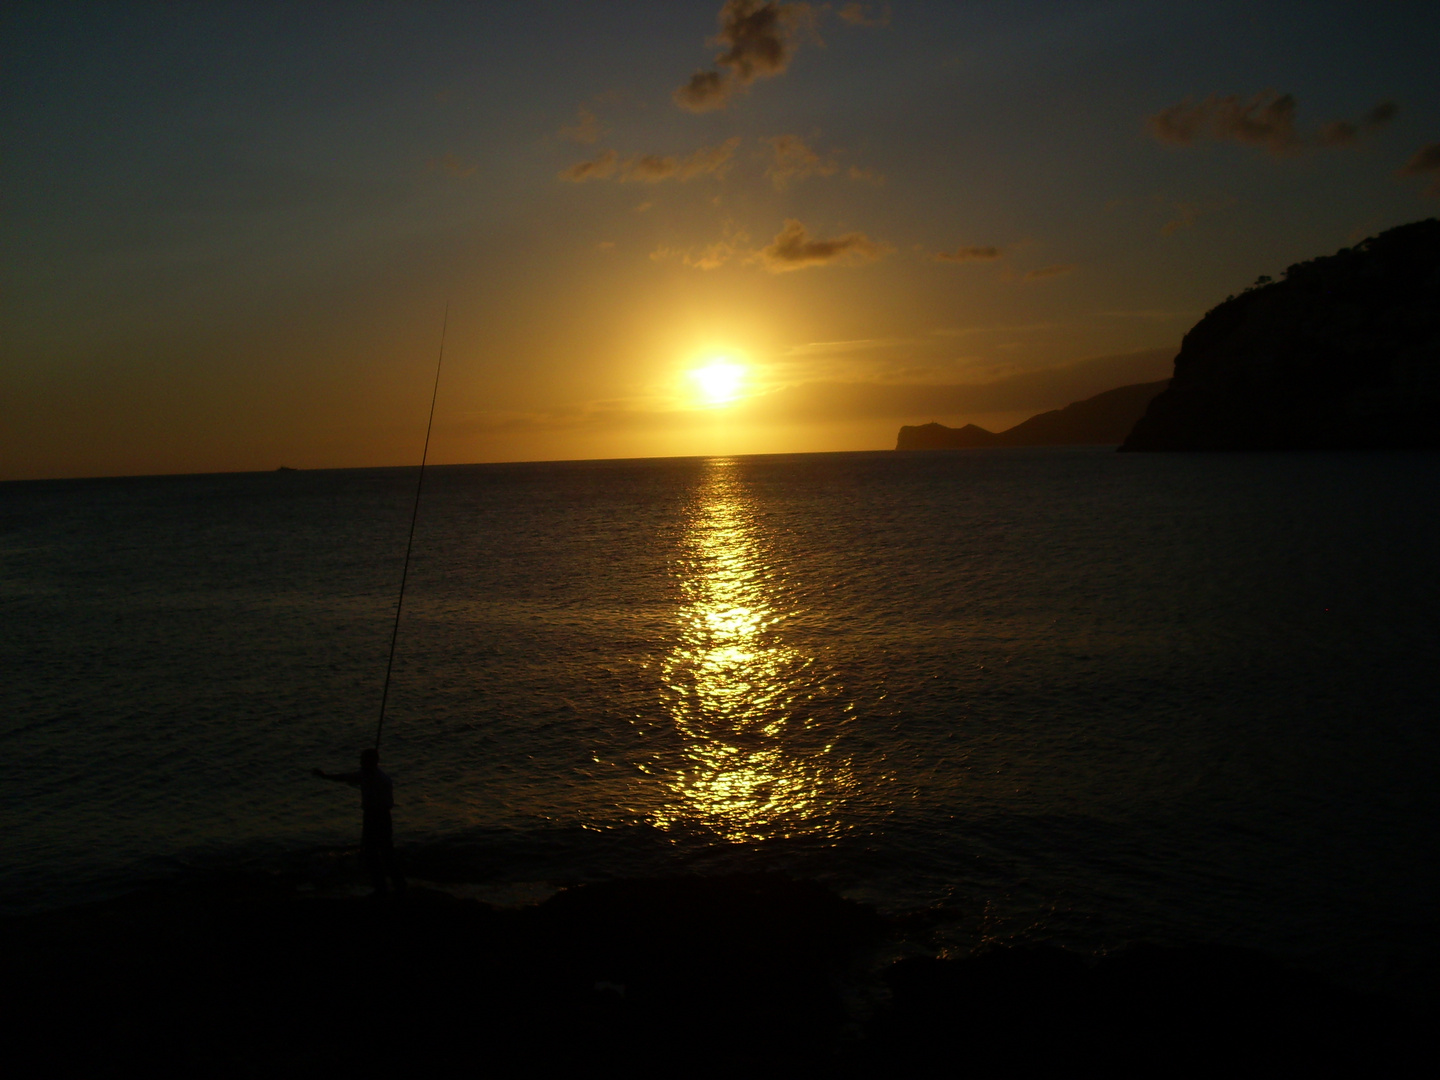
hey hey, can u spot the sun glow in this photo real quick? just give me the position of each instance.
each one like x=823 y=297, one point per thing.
x=719 y=381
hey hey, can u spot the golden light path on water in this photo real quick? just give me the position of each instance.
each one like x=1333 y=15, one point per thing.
x=756 y=763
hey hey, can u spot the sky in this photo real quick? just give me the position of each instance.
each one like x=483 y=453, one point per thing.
x=230 y=234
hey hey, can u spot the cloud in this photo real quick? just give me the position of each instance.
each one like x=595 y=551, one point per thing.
x=1054 y=270
x=836 y=348
x=710 y=256
x=857 y=15
x=758 y=42
x=1345 y=133
x=968 y=254
x=1266 y=120
x=865 y=176
x=707 y=161
x=1425 y=161
x=454 y=166
x=706 y=90
x=649 y=169
x=1186 y=214
x=599 y=169
x=586 y=128
x=794 y=249
x=653 y=168
x=794 y=160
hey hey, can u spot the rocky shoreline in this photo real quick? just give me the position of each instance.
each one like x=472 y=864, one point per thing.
x=242 y=975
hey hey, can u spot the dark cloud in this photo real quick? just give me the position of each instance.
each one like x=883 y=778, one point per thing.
x=1055 y=270
x=1426 y=161
x=586 y=128
x=859 y=15
x=794 y=249
x=1186 y=213
x=706 y=90
x=758 y=42
x=454 y=166
x=599 y=169
x=968 y=254
x=1346 y=133
x=1266 y=120
x=653 y=168
x=793 y=159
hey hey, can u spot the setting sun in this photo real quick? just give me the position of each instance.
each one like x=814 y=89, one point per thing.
x=719 y=381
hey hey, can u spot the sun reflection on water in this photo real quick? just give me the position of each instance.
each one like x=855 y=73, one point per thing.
x=755 y=763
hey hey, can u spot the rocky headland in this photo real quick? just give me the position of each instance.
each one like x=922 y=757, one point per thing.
x=1342 y=353
x=1103 y=419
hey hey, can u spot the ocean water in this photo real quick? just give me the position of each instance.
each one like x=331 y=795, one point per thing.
x=1056 y=694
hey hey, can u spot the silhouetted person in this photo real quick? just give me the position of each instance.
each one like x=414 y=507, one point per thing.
x=377 y=837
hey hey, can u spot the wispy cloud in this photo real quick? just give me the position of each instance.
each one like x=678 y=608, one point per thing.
x=792 y=249
x=1425 y=162
x=1185 y=215
x=865 y=14
x=1346 y=133
x=1268 y=120
x=1054 y=270
x=451 y=165
x=586 y=129
x=836 y=348
x=795 y=249
x=598 y=169
x=793 y=159
x=968 y=254
x=707 y=256
x=653 y=168
x=758 y=41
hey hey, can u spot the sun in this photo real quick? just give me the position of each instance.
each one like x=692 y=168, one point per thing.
x=719 y=380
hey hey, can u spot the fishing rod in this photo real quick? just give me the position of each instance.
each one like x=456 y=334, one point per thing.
x=414 y=516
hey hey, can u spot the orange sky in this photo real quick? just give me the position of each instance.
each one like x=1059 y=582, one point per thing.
x=230 y=232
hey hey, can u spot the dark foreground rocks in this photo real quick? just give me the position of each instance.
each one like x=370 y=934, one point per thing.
x=1342 y=354
x=682 y=976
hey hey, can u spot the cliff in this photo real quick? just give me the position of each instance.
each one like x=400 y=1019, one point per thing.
x=1343 y=353
x=1104 y=418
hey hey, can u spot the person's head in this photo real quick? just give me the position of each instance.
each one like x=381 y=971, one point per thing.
x=369 y=760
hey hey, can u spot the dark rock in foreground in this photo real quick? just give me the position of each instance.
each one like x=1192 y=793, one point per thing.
x=684 y=976
x=1343 y=354
x=1104 y=419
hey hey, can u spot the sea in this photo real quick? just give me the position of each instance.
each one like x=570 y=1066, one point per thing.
x=1015 y=696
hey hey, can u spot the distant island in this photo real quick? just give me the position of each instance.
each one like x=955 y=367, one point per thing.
x=1343 y=353
x=1103 y=419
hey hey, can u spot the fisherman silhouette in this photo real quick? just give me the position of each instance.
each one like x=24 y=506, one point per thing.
x=377 y=838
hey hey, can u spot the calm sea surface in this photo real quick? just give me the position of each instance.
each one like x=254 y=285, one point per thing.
x=1056 y=695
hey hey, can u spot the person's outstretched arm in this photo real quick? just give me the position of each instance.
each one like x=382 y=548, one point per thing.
x=342 y=777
